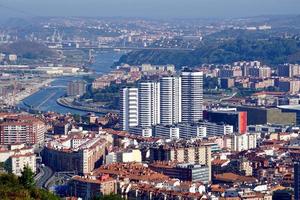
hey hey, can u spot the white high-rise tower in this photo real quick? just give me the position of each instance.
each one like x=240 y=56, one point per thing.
x=149 y=104
x=129 y=108
x=170 y=100
x=192 y=96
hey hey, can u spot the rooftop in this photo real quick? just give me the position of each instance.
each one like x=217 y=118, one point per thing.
x=133 y=171
x=231 y=177
x=93 y=179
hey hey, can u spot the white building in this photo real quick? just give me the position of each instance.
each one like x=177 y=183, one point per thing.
x=195 y=130
x=170 y=100
x=213 y=129
x=132 y=155
x=16 y=163
x=188 y=131
x=149 y=104
x=141 y=131
x=192 y=96
x=171 y=132
x=242 y=142
x=6 y=151
x=204 y=129
x=12 y=57
x=87 y=148
x=129 y=108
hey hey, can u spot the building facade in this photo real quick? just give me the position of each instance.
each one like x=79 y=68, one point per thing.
x=260 y=72
x=183 y=172
x=192 y=96
x=129 y=108
x=237 y=119
x=80 y=152
x=89 y=187
x=242 y=142
x=170 y=100
x=149 y=104
x=130 y=155
x=22 y=129
x=262 y=115
x=167 y=131
x=16 y=163
x=194 y=154
x=196 y=130
x=76 y=88
x=141 y=131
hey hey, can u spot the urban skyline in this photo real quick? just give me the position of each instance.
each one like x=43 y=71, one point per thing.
x=179 y=100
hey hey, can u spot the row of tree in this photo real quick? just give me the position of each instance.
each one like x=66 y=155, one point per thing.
x=13 y=187
x=22 y=188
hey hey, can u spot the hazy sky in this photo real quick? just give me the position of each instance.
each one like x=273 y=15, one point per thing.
x=148 y=8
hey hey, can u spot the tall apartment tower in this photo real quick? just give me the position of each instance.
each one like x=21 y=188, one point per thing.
x=129 y=108
x=192 y=96
x=170 y=100
x=149 y=104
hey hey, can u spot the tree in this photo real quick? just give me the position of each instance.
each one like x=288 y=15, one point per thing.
x=12 y=187
x=77 y=117
x=27 y=178
x=43 y=194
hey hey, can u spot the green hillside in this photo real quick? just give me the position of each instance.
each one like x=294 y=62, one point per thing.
x=271 y=51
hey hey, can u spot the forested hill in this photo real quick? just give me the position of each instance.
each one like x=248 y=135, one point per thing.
x=270 y=51
x=27 y=50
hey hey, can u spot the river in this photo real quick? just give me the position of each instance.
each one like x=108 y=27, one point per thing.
x=45 y=99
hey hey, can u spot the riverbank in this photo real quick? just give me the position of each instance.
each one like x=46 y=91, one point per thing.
x=46 y=99
x=68 y=103
x=20 y=96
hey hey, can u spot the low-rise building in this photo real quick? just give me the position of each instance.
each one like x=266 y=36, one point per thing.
x=131 y=171
x=17 y=162
x=241 y=142
x=194 y=153
x=171 y=132
x=237 y=119
x=260 y=71
x=263 y=115
x=88 y=187
x=141 y=131
x=197 y=130
x=81 y=152
x=183 y=171
x=16 y=157
x=130 y=155
x=289 y=85
x=61 y=128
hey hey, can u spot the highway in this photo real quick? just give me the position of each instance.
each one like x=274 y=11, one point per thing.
x=43 y=176
x=126 y=48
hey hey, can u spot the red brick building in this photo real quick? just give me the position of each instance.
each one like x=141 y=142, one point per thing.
x=15 y=129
